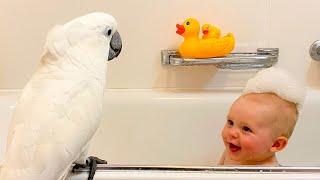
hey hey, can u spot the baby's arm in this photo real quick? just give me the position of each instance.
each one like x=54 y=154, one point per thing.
x=222 y=159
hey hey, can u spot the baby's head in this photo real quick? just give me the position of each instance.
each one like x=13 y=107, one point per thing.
x=261 y=121
x=258 y=125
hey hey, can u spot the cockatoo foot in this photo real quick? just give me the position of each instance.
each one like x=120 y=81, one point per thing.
x=91 y=163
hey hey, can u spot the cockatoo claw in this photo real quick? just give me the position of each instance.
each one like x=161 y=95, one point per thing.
x=91 y=163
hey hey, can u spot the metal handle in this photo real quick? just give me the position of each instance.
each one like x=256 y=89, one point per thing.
x=315 y=51
x=263 y=58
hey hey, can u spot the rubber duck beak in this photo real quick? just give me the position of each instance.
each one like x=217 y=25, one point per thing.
x=180 y=29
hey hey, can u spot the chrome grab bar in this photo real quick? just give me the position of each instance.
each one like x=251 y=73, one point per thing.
x=263 y=58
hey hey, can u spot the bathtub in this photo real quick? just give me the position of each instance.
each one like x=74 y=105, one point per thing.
x=175 y=134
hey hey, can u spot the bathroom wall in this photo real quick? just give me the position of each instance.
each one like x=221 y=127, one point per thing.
x=148 y=26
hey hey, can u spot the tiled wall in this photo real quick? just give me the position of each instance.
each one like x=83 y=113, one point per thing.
x=148 y=26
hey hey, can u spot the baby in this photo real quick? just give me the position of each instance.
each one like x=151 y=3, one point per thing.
x=261 y=121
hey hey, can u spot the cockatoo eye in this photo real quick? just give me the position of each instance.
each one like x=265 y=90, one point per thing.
x=108 y=31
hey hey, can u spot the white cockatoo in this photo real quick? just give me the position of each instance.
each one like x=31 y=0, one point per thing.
x=61 y=106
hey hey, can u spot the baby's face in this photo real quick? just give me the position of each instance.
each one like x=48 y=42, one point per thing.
x=248 y=134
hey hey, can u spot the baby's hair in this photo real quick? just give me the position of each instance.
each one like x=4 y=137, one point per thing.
x=287 y=112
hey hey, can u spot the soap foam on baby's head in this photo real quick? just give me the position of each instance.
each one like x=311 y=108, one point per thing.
x=280 y=82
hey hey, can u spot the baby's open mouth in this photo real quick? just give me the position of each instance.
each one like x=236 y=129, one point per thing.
x=234 y=148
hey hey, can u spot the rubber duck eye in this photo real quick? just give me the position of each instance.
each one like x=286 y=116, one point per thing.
x=188 y=23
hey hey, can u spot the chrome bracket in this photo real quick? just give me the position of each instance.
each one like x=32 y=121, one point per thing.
x=263 y=58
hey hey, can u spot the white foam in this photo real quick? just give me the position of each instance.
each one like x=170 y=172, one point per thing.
x=280 y=82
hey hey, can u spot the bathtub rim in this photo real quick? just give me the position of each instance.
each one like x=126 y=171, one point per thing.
x=208 y=169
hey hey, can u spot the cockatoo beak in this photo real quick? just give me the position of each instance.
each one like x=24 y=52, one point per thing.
x=115 y=46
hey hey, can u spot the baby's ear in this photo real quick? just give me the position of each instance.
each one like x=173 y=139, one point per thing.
x=279 y=144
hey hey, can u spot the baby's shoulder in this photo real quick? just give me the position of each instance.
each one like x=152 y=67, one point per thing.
x=225 y=160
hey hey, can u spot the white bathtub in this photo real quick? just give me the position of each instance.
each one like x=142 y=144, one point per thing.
x=170 y=128
x=203 y=173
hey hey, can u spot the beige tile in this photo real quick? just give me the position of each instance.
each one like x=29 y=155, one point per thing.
x=147 y=27
x=293 y=28
x=154 y=30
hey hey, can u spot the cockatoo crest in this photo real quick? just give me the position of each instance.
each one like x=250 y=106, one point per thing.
x=98 y=26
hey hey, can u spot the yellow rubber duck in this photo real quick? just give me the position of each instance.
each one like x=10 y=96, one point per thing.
x=194 y=47
x=210 y=31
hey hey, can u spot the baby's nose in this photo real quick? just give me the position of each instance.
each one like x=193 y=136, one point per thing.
x=234 y=133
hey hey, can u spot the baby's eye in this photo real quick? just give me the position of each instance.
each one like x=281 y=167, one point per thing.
x=246 y=129
x=229 y=122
